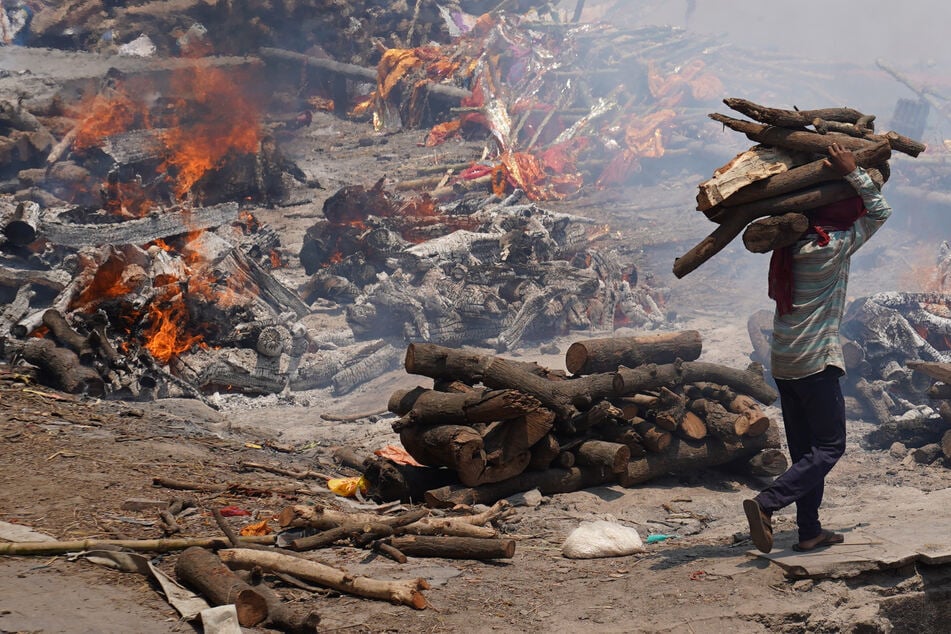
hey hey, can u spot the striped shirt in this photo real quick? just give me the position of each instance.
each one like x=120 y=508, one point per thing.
x=806 y=340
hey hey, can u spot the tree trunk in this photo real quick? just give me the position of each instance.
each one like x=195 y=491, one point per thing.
x=593 y=356
x=201 y=570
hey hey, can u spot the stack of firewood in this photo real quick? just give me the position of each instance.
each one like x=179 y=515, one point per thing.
x=633 y=409
x=766 y=189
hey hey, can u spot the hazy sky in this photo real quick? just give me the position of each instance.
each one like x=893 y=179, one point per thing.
x=909 y=32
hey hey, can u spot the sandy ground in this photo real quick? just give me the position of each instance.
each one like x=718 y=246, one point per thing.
x=68 y=465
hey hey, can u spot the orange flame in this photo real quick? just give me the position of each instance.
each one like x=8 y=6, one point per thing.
x=217 y=120
x=165 y=337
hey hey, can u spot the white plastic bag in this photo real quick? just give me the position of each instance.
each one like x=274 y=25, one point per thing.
x=602 y=539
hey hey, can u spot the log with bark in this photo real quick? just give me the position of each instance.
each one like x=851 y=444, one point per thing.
x=201 y=570
x=403 y=592
x=592 y=356
x=785 y=174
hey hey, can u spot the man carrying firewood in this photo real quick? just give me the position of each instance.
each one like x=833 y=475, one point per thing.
x=808 y=282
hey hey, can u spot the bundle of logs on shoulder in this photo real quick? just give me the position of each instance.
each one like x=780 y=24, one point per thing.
x=766 y=189
x=633 y=409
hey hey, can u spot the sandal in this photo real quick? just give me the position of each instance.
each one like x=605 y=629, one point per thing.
x=761 y=527
x=823 y=539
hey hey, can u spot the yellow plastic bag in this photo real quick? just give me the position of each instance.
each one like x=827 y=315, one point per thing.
x=347 y=487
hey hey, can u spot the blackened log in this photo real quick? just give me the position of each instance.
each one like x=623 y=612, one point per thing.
x=911 y=433
x=66 y=336
x=141 y=230
x=388 y=481
x=22 y=226
x=372 y=366
x=605 y=355
x=62 y=367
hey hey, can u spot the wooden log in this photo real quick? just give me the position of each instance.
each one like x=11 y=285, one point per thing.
x=911 y=433
x=774 y=232
x=733 y=223
x=201 y=570
x=544 y=453
x=719 y=422
x=670 y=410
x=590 y=356
x=802 y=177
x=791 y=118
x=547 y=482
x=692 y=427
x=405 y=592
x=768 y=463
x=388 y=481
x=141 y=230
x=632 y=381
x=21 y=229
x=804 y=141
x=62 y=367
x=455 y=446
x=454 y=547
x=495 y=372
x=429 y=407
x=940 y=391
x=64 y=334
x=745 y=169
x=684 y=456
x=656 y=440
x=136 y=545
x=753 y=421
x=599 y=453
x=623 y=432
x=946 y=444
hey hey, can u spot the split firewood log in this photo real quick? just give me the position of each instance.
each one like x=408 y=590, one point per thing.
x=733 y=223
x=405 y=592
x=455 y=446
x=752 y=422
x=754 y=165
x=655 y=439
x=794 y=179
x=592 y=356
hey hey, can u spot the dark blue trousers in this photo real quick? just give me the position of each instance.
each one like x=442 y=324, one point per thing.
x=814 y=417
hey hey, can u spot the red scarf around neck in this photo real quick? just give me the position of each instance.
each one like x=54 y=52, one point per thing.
x=837 y=216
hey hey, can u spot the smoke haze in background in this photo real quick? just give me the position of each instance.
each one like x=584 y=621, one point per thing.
x=814 y=54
